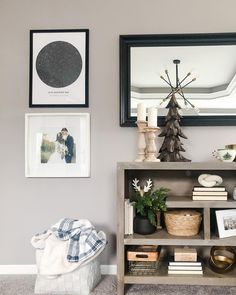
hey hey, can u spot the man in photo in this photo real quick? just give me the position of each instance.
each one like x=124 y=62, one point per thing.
x=69 y=143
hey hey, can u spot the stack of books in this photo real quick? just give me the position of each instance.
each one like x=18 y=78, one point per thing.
x=217 y=193
x=129 y=217
x=185 y=268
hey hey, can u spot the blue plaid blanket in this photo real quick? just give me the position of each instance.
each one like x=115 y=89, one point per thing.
x=84 y=241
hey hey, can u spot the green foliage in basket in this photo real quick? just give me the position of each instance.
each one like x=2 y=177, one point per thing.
x=148 y=203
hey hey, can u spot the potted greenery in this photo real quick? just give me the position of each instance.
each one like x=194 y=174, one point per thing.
x=147 y=204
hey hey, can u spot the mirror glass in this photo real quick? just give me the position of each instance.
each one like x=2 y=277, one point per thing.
x=206 y=71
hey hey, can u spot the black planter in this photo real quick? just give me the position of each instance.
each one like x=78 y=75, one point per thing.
x=143 y=226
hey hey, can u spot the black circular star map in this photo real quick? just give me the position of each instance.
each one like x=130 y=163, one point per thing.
x=59 y=64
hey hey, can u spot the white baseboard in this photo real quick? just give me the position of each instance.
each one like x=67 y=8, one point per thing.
x=108 y=269
x=11 y=269
x=31 y=269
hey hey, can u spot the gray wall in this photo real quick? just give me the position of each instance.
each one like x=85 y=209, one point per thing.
x=31 y=205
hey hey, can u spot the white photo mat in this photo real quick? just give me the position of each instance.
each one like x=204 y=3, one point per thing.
x=226 y=222
x=44 y=128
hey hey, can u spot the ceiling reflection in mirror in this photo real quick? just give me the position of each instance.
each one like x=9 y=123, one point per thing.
x=214 y=68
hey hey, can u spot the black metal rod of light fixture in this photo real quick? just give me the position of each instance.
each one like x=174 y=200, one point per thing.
x=193 y=106
x=168 y=77
x=166 y=81
x=164 y=99
x=184 y=79
x=176 y=62
x=182 y=95
x=180 y=92
x=194 y=79
x=185 y=99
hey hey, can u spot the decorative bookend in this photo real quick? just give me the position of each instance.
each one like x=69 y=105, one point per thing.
x=146 y=143
x=151 y=144
x=146 y=134
x=172 y=146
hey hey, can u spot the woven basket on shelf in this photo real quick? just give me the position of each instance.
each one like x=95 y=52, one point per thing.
x=183 y=222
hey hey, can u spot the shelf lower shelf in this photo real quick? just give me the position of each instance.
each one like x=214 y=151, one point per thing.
x=163 y=238
x=181 y=280
x=161 y=277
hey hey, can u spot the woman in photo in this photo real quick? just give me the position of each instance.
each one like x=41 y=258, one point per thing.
x=60 y=151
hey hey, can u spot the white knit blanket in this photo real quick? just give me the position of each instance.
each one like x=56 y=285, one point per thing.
x=54 y=259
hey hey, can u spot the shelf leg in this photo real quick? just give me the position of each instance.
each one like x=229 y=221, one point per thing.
x=120 y=288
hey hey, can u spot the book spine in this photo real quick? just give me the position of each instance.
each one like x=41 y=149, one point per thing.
x=209 y=189
x=185 y=272
x=171 y=267
x=209 y=198
x=206 y=193
x=126 y=216
x=185 y=263
x=131 y=218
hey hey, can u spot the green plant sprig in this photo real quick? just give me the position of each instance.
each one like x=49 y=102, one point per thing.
x=150 y=203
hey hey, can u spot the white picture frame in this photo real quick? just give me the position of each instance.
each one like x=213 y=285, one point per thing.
x=226 y=222
x=57 y=145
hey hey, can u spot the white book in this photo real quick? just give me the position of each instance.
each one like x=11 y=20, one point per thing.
x=210 y=198
x=185 y=272
x=204 y=193
x=126 y=216
x=185 y=263
x=181 y=267
x=209 y=189
x=130 y=218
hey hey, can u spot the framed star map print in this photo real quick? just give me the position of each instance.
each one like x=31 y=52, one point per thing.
x=59 y=68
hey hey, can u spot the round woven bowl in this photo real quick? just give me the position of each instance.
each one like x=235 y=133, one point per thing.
x=183 y=222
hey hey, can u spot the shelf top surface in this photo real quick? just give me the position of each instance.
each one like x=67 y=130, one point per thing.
x=164 y=235
x=187 y=202
x=177 y=165
x=161 y=237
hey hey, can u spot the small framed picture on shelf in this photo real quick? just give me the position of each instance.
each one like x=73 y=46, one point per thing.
x=57 y=145
x=226 y=222
x=59 y=68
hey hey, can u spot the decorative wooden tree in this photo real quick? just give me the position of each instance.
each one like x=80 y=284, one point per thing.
x=172 y=146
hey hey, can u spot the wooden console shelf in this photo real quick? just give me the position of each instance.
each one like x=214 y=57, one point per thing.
x=180 y=179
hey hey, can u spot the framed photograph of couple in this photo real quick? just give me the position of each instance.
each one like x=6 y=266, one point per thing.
x=226 y=222
x=59 y=63
x=57 y=145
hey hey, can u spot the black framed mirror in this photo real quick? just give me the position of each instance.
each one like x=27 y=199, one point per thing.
x=211 y=60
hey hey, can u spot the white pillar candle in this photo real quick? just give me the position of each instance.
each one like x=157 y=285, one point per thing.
x=141 y=112
x=152 y=117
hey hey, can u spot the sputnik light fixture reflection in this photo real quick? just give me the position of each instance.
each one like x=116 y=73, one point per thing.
x=180 y=85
